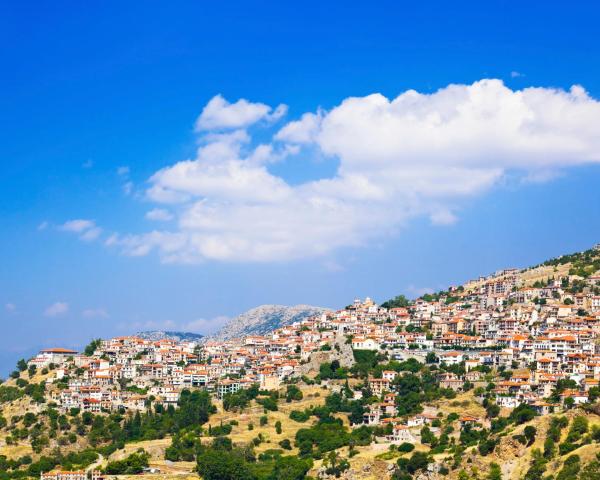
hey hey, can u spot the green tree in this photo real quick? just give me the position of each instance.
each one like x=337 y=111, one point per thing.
x=570 y=468
x=396 y=302
x=133 y=464
x=495 y=472
x=591 y=471
x=537 y=466
x=22 y=365
x=290 y=468
x=530 y=433
x=216 y=464
x=549 y=448
x=91 y=347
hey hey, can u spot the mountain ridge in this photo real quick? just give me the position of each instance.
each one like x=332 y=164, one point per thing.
x=265 y=318
x=156 y=335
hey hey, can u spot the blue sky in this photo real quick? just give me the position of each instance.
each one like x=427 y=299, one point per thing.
x=98 y=111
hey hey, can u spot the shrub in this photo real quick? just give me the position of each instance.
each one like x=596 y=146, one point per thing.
x=285 y=444
x=406 y=447
x=299 y=416
x=133 y=464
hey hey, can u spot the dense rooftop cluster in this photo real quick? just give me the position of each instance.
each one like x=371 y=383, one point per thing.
x=522 y=343
x=547 y=330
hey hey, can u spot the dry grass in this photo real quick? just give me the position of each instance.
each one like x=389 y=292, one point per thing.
x=463 y=404
x=240 y=434
x=313 y=396
x=15 y=451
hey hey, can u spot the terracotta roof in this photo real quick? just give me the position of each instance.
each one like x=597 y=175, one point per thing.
x=58 y=350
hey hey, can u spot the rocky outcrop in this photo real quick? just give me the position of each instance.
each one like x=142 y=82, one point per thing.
x=340 y=351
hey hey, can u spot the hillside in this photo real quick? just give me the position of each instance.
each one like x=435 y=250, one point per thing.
x=576 y=267
x=265 y=318
x=451 y=386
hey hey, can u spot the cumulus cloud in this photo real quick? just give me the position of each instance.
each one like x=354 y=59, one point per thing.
x=56 y=309
x=95 y=313
x=413 y=155
x=77 y=226
x=123 y=171
x=86 y=229
x=219 y=114
x=304 y=130
x=128 y=188
x=159 y=214
x=443 y=216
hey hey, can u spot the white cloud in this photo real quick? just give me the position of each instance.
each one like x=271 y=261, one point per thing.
x=159 y=214
x=95 y=313
x=128 y=188
x=56 y=309
x=91 y=234
x=86 y=229
x=442 y=216
x=414 y=155
x=42 y=226
x=77 y=226
x=123 y=171
x=304 y=130
x=10 y=307
x=219 y=114
x=515 y=74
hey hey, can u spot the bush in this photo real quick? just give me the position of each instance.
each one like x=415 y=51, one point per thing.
x=133 y=464
x=487 y=446
x=566 y=447
x=220 y=430
x=570 y=468
x=579 y=427
x=329 y=434
x=530 y=433
x=293 y=393
x=285 y=444
x=522 y=414
x=8 y=394
x=221 y=464
x=299 y=416
x=406 y=447
x=269 y=403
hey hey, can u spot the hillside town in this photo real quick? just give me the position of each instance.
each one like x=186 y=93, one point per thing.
x=535 y=334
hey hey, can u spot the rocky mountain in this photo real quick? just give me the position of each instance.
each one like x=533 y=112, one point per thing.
x=170 y=335
x=263 y=319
